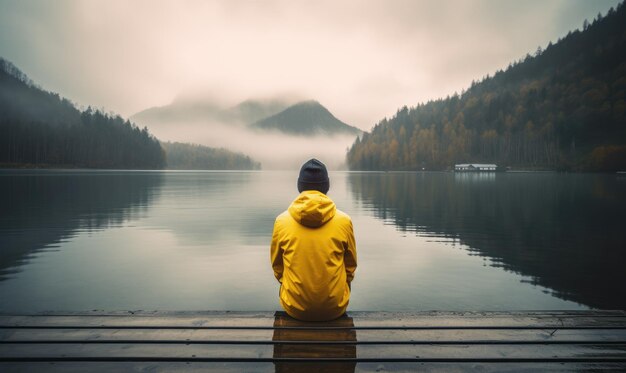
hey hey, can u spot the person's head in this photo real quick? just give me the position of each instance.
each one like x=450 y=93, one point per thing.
x=313 y=176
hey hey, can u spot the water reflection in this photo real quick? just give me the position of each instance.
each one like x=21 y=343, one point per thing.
x=474 y=177
x=199 y=240
x=216 y=207
x=287 y=329
x=131 y=240
x=42 y=208
x=563 y=231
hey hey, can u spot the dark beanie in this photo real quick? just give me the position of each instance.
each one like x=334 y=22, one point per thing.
x=313 y=176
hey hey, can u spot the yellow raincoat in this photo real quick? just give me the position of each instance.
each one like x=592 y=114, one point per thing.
x=313 y=254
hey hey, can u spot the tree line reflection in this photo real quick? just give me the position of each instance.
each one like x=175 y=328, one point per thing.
x=564 y=231
x=40 y=209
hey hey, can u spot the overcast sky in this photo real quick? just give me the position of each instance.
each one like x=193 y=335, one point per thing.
x=361 y=59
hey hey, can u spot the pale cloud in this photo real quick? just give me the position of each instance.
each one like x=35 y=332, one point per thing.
x=362 y=59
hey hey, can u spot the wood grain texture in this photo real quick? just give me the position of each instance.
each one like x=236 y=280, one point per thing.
x=360 y=341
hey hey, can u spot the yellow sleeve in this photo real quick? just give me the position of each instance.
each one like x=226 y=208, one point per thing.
x=276 y=254
x=349 y=256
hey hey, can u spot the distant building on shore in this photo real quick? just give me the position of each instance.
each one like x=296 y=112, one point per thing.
x=475 y=167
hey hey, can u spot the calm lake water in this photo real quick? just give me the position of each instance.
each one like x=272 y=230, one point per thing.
x=116 y=240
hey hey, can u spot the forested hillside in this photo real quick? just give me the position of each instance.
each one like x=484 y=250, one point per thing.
x=197 y=157
x=305 y=118
x=561 y=108
x=39 y=128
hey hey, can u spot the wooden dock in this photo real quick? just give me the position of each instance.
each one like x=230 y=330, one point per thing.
x=268 y=342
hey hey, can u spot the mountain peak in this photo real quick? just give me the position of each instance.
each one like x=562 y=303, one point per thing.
x=305 y=118
x=252 y=110
x=308 y=103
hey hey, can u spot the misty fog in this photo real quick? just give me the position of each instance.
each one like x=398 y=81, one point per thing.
x=275 y=151
x=364 y=60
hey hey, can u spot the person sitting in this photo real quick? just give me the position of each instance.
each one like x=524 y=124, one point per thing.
x=313 y=250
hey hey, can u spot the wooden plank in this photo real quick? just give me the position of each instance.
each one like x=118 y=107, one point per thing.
x=353 y=314
x=482 y=367
x=267 y=336
x=521 y=320
x=260 y=367
x=135 y=321
x=428 y=341
x=262 y=322
x=218 y=352
x=153 y=367
x=370 y=315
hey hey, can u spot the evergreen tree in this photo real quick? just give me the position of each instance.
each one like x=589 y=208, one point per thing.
x=563 y=108
x=39 y=128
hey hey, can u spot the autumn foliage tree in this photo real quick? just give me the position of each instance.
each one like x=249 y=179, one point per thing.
x=562 y=108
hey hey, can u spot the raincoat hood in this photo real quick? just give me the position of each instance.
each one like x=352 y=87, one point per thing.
x=312 y=209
